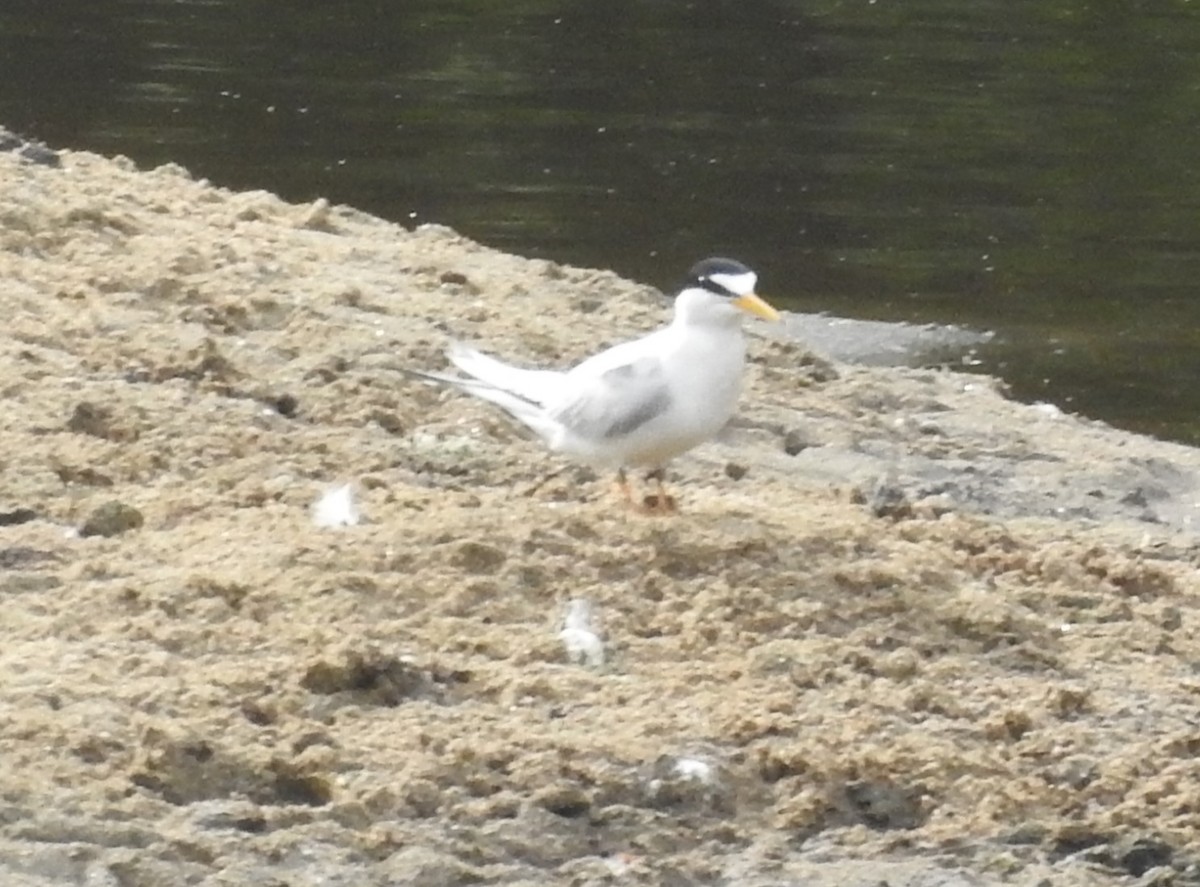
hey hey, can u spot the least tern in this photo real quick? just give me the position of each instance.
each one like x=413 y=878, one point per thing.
x=641 y=403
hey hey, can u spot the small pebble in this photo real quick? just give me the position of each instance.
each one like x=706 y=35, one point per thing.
x=734 y=471
x=112 y=519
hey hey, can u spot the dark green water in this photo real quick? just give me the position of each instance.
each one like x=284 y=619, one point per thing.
x=1026 y=166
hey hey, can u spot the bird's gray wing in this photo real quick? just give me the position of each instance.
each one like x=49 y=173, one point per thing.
x=616 y=402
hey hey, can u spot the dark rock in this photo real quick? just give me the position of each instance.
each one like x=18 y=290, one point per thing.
x=17 y=516
x=889 y=499
x=565 y=800
x=253 y=825
x=224 y=814
x=312 y=739
x=112 y=519
x=388 y=421
x=1074 y=839
x=882 y=805
x=93 y=419
x=258 y=713
x=1143 y=854
x=795 y=441
x=1130 y=855
x=36 y=152
x=372 y=677
x=285 y=404
x=478 y=558
x=18 y=556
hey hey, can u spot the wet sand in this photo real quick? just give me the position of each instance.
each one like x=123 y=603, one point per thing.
x=903 y=628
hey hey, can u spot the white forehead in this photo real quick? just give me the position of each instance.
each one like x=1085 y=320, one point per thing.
x=738 y=284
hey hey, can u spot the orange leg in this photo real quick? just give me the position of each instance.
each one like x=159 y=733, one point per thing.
x=662 y=502
x=622 y=486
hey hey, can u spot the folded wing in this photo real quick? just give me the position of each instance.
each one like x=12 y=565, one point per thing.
x=614 y=403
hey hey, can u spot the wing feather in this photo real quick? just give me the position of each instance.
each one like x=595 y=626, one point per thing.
x=616 y=402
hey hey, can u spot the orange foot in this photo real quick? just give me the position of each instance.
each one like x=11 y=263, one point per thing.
x=659 y=503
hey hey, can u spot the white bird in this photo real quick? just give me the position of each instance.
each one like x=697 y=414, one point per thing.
x=641 y=403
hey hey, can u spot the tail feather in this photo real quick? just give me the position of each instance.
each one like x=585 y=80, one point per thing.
x=535 y=386
x=524 y=411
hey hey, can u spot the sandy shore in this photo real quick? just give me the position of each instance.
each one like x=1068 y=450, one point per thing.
x=903 y=629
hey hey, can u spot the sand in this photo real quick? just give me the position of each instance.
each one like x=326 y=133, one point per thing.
x=903 y=629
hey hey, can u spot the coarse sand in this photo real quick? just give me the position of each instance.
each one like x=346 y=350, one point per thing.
x=903 y=630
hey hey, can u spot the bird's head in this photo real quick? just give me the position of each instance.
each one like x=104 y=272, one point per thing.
x=717 y=289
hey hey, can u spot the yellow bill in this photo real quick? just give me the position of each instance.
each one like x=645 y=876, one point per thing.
x=754 y=305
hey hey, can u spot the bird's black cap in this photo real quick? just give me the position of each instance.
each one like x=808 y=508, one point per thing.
x=701 y=274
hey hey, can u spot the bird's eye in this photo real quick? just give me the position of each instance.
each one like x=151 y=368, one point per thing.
x=705 y=282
